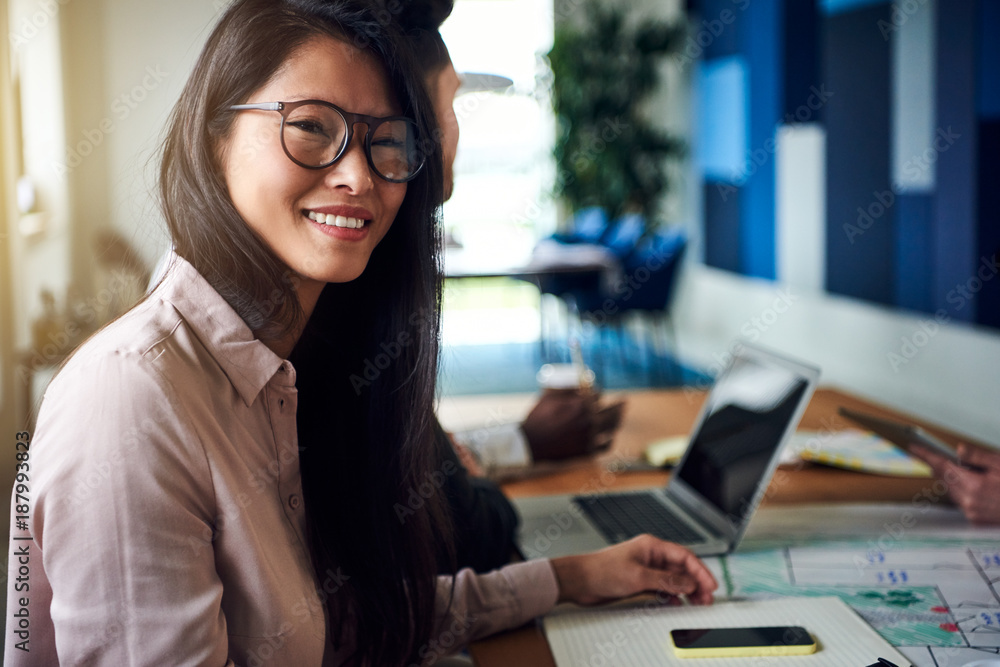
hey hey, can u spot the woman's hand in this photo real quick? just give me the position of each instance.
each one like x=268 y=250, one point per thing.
x=644 y=564
x=974 y=491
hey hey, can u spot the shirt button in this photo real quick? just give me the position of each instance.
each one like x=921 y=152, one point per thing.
x=294 y=501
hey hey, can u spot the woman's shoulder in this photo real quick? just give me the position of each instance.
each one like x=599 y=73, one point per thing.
x=133 y=387
x=148 y=349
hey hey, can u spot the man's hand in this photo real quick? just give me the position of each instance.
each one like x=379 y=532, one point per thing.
x=644 y=564
x=976 y=493
x=564 y=424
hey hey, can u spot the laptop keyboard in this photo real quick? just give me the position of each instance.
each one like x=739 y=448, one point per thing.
x=621 y=516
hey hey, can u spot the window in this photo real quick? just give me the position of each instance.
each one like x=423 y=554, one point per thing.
x=504 y=167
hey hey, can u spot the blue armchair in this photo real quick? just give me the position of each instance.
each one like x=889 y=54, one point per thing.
x=588 y=226
x=645 y=291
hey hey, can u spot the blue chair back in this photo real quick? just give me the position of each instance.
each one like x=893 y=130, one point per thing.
x=653 y=267
x=624 y=233
x=587 y=225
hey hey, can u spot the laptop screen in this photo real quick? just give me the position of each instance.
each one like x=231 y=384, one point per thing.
x=750 y=408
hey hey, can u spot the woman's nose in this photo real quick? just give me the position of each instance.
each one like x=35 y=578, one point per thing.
x=352 y=169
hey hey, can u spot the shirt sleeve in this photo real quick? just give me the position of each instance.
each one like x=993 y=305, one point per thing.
x=502 y=446
x=123 y=503
x=479 y=605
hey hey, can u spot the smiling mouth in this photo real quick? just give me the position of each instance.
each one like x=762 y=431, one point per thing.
x=336 y=220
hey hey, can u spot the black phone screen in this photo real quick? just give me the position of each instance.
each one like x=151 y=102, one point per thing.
x=702 y=638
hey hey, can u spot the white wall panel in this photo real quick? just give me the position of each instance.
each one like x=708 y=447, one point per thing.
x=800 y=205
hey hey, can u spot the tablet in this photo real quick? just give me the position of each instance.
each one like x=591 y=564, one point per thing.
x=903 y=435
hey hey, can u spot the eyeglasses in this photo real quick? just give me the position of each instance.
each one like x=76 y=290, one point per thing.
x=315 y=134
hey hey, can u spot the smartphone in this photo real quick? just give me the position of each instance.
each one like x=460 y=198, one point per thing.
x=742 y=642
x=903 y=435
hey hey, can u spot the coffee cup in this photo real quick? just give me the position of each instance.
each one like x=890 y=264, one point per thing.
x=565 y=377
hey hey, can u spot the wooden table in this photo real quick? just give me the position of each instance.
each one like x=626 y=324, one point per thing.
x=654 y=414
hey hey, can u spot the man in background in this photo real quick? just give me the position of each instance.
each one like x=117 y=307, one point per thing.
x=561 y=425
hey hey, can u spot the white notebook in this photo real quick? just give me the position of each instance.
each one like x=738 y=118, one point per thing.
x=639 y=636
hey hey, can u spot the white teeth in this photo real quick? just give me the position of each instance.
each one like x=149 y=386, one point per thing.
x=336 y=220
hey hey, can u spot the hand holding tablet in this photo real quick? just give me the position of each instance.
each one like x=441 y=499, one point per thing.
x=905 y=436
x=971 y=474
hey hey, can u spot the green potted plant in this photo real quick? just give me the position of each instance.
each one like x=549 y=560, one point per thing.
x=608 y=153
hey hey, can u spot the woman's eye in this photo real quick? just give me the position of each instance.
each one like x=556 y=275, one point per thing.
x=310 y=127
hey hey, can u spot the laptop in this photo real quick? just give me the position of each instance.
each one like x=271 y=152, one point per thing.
x=750 y=413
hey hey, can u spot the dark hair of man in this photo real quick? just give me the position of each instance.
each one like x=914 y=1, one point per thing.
x=420 y=21
x=364 y=450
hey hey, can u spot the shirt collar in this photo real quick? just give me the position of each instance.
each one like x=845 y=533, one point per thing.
x=247 y=362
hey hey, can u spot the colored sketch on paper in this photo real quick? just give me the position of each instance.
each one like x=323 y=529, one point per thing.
x=939 y=603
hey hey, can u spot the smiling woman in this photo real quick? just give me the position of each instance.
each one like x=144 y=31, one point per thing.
x=281 y=201
x=182 y=463
x=207 y=485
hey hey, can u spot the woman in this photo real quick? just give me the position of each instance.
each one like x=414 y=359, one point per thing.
x=207 y=486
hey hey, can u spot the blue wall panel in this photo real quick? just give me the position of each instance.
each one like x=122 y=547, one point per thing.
x=859 y=195
x=763 y=27
x=954 y=234
x=722 y=225
x=988 y=306
x=988 y=88
x=722 y=118
x=988 y=159
x=913 y=250
x=718 y=27
x=801 y=61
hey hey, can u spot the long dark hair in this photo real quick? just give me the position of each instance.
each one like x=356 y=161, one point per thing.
x=367 y=358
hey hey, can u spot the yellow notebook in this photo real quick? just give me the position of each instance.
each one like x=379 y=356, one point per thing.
x=858 y=450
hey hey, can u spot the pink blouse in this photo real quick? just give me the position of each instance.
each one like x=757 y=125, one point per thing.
x=166 y=523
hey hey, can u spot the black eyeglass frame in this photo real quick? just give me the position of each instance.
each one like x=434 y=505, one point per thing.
x=350 y=119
